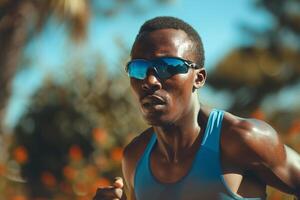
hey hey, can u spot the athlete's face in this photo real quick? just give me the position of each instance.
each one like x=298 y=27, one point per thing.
x=165 y=101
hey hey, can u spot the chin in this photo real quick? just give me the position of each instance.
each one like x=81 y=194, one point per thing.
x=157 y=120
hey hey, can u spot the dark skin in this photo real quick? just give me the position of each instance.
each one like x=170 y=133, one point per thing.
x=252 y=155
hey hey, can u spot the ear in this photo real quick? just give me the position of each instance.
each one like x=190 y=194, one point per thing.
x=200 y=78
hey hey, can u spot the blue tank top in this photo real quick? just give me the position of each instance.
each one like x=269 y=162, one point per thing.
x=203 y=181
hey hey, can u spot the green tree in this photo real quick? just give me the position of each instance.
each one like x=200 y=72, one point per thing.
x=82 y=126
x=254 y=74
x=21 y=21
x=267 y=65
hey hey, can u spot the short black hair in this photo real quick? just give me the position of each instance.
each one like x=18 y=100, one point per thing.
x=165 y=22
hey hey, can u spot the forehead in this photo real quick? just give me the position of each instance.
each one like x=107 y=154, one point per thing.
x=162 y=42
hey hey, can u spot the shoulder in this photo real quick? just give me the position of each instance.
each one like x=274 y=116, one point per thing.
x=132 y=153
x=250 y=142
x=248 y=128
x=136 y=147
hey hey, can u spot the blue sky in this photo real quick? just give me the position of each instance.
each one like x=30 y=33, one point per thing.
x=216 y=21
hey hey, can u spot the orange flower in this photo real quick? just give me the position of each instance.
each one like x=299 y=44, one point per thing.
x=102 y=182
x=48 y=179
x=19 y=197
x=75 y=153
x=101 y=162
x=83 y=198
x=80 y=188
x=258 y=114
x=69 y=172
x=276 y=195
x=295 y=128
x=66 y=188
x=91 y=171
x=117 y=154
x=20 y=154
x=40 y=198
x=100 y=135
x=2 y=169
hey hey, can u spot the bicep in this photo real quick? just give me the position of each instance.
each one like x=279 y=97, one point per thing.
x=280 y=167
x=274 y=163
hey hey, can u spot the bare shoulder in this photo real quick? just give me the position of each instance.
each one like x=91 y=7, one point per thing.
x=255 y=141
x=249 y=128
x=132 y=153
x=137 y=146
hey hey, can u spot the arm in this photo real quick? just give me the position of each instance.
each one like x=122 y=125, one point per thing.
x=289 y=170
x=115 y=191
x=263 y=153
x=131 y=154
x=128 y=175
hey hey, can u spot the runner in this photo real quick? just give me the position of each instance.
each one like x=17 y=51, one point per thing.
x=192 y=152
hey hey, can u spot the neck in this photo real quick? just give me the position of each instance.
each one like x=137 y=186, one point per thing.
x=181 y=138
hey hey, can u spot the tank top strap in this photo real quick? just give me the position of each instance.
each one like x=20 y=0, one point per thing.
x=150 y=145
x=211 y=138
x=142 y=173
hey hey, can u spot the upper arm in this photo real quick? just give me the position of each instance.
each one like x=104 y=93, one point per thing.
x=128 y=173
x=131 y=155
x=262 y=152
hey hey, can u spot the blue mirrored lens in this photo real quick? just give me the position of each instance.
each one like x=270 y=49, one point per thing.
x=164 y=67
x=167 y=67
x=138 y=68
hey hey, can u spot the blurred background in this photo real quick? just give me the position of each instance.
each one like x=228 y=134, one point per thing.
x=66 y=108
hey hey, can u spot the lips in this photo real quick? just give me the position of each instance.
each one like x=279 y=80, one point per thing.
x=152 y=101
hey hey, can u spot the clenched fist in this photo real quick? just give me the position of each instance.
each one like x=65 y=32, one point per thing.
x=114 y=192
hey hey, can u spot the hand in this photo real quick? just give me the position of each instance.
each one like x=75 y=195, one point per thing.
x=114 y=192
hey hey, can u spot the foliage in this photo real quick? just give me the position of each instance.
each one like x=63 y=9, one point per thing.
x=254 y=74
x=22 y=21
x=266 y=66
x=70 y=141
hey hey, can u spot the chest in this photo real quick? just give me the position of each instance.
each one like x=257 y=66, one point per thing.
x=206 y=166
x=170 y=172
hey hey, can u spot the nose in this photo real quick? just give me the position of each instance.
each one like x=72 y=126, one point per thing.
x=151 y=81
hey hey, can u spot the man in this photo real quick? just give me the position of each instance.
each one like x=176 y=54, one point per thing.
x=193 y=152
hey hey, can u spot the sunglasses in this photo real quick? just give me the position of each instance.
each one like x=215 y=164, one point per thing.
x=165 y=67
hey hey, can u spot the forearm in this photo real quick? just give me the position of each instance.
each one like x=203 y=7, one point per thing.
x=129 y=196
x=293 y=162
x=128 y=193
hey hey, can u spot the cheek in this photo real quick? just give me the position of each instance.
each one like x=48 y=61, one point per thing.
x=135 y=87
x=181 y=97
x=180 y=90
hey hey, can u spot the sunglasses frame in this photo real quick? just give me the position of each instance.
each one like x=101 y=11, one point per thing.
x=188 y=63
